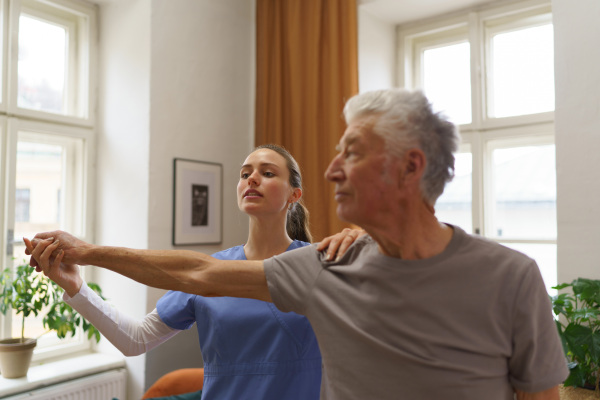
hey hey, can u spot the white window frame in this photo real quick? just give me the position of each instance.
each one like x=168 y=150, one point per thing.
x=80 y=61
x=52 y=128
x=83 y=176
x=505 y=138
x=416 y=36
x=480 y=136
x=473 y=24
x=506 y=19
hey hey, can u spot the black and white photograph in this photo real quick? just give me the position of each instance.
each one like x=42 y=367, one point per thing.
x=196 y=202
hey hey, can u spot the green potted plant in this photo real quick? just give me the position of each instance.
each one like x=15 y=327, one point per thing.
x=579 y=329
x=30 y=293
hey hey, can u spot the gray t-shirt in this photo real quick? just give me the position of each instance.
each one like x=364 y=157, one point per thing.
x=470 y=323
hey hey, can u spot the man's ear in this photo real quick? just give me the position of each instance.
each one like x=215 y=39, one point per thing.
x=413 y=164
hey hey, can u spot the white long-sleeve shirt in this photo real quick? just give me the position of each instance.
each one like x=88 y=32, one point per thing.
x=131 y=336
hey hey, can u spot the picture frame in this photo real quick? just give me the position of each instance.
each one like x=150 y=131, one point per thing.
x=197 y=202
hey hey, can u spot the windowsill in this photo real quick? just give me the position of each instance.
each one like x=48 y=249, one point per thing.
x=51 y=373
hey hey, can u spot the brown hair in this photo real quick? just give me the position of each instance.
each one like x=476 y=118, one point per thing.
x=297 y=216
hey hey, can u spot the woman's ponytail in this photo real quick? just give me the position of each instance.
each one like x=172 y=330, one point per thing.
x=297 y=222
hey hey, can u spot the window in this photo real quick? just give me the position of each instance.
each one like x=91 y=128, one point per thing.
x=520 y=56
x=47 y=130
x=491 y=72
x=456 y=203
x=22 y=205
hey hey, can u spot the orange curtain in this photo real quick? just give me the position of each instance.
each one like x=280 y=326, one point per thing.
x=307 y=68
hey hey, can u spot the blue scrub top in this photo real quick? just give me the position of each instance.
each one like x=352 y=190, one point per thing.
x=250 y=349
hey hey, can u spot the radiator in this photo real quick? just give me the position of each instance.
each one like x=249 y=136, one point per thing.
x=104 y=386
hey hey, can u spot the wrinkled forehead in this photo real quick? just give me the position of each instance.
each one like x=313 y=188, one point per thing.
x=360 y=130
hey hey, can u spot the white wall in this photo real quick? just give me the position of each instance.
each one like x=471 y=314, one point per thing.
x=376 y=52
x=123 y=154
x=176 y=79
x=202 y=88
x=577 y=121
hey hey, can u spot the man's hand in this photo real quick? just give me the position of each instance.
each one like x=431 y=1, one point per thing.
x=65 y=275
x=69 y=244
x=337 y=244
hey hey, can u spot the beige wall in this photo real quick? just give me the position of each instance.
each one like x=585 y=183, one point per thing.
x=577 y=121
x=202 y=107
x=123 y=155
x=376 y=52
x=176 y=80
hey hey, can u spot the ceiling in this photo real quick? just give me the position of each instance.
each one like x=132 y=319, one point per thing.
x=402 y=11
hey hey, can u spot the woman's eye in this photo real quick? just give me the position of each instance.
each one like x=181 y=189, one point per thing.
x=244 y=175
x=269 y=174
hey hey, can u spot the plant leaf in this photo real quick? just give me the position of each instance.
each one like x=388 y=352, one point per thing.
x=577 y=377
x=583 y=341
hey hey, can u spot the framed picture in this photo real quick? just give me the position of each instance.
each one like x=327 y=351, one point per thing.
x=197 y=211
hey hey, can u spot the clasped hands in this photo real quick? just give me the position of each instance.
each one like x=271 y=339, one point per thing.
x=53 y=254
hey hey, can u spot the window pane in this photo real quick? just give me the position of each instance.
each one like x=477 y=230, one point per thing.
x=447 y=81
x=42 y=65
x=40 y=175
x=524 y=192
x=22 y=205
x=545 y=257
x=48 y=182
x=40 y=172
x=522 y=72
x=454 y=205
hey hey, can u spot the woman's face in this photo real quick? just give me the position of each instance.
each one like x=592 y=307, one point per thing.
x=264 y=184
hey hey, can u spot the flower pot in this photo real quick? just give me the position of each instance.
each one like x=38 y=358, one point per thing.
x=575 y=393
x=15 y=356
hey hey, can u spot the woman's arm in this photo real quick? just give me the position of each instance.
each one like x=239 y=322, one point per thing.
x=132 y=337
x=182 y=270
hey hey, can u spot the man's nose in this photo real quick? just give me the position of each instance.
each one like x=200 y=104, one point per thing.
x=334 y=172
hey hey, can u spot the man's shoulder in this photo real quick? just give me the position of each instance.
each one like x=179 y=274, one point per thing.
x=298 y=250
x=308 y=255
x=477 y=243
x=478 y=251
x=362 y=248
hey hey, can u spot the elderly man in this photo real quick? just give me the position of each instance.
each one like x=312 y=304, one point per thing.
x=416 y=309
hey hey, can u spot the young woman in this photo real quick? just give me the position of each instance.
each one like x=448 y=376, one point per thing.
x=249 y=348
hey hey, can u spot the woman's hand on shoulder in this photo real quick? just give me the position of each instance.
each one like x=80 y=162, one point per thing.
x=337 y=244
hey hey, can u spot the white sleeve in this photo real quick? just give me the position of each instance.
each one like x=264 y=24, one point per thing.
x=132 y=337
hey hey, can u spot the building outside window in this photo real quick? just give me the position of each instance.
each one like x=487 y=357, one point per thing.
x=22 y=205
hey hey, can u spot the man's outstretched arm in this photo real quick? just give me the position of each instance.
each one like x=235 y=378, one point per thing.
x=181 y=270
x=549 y=394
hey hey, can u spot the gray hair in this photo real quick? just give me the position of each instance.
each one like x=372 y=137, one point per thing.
x=406 y=120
